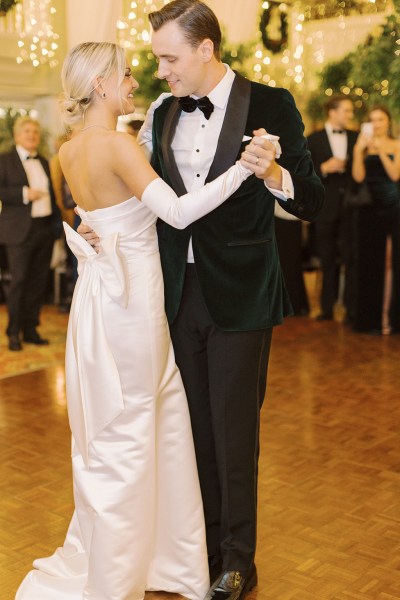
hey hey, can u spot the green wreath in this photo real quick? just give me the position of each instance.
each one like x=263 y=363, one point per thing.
x=6 y=5
x=275 y=45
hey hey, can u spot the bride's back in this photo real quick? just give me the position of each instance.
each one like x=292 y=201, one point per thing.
x=89 y=162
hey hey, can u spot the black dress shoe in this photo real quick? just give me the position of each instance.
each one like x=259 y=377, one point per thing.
x=214 y=567
x=14 y=344
x=32 y=337
x=232 y=585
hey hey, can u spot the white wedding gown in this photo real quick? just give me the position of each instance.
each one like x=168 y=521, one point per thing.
x=138 y=523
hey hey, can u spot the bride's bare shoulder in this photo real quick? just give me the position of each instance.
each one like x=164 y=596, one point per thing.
x=64 y=152
x=123 y=143
x=126 y=139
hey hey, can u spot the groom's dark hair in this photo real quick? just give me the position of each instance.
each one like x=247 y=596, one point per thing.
x=196 y=19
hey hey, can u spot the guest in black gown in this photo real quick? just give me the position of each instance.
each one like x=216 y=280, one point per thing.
x=376 y=159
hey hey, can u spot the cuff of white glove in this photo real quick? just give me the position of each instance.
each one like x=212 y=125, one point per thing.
x=244 y=170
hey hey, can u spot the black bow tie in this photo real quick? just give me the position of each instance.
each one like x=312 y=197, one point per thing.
x=338 y=131
x=30 y=156
x=204 y=104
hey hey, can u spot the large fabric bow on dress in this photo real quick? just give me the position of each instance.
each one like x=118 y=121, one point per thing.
x=93 y=385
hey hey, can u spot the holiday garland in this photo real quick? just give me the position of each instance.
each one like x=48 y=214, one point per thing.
x=276 y=45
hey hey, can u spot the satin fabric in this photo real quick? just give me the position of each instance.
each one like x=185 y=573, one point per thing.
x=138 y=522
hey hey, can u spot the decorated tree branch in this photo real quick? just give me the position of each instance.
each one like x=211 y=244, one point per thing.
x=369 y=75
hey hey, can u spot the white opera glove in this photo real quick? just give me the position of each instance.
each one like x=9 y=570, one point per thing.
x=145 y=135
x=184 y=210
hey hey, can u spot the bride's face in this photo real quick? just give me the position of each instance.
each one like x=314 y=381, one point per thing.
x=121 y=94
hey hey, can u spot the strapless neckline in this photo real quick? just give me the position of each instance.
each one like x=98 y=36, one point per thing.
x=106 y=210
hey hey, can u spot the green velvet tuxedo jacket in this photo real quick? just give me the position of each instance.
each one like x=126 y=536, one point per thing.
x=234 y=246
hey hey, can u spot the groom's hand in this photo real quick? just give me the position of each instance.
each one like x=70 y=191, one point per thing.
x=259 y=156
x=89 y=235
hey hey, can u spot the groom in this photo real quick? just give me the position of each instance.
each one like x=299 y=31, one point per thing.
x=223 y=285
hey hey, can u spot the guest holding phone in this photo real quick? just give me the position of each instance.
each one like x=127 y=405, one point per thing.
x=376 y=159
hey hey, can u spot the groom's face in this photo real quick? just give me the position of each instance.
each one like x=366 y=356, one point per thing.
x=182 y=66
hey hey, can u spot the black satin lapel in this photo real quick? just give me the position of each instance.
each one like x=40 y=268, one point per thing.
x=45 y=166
x=170 y=124
x=233 y=127
x=20 y=167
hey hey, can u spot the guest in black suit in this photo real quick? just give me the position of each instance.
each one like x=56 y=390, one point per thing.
x=331 y=151
x=289 y=238
x=29 y=224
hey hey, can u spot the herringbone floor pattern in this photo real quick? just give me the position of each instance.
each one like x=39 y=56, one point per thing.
x=329 y=511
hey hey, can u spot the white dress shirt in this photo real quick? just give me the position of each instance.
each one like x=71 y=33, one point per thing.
x=37 y=180
x=337 y=142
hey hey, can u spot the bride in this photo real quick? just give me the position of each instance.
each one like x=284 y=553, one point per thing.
x=138 y=520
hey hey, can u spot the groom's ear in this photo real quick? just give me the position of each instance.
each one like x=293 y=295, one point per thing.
x=206 y=50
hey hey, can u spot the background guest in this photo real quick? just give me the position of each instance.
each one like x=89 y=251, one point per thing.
x=331 y=148
x=133 y=127
x=377 y=161
x=63 y=196
x=29 y=224
x=289 y=238
x=66 y=204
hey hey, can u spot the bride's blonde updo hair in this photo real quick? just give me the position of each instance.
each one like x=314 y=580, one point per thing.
x=82 y=66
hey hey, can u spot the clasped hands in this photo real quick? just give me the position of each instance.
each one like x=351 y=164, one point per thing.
x=259 y=156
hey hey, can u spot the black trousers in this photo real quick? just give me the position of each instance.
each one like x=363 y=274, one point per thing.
x=29 y=265
x=289 y=240
x=335 y=245
x=224 y=374
x=329 y=235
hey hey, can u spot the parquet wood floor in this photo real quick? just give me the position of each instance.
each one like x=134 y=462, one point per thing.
x=329 y=513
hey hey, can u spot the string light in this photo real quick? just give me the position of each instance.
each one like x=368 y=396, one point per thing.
x=133 y=30
x=38 y=42
x=302 y=36
x=305 y=44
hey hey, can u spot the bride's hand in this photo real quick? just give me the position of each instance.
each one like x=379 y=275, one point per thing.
x=89 y=235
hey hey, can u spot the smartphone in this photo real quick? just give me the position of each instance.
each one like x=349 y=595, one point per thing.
x=367 y=129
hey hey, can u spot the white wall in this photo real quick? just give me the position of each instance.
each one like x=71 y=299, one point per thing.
x=239 y=17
